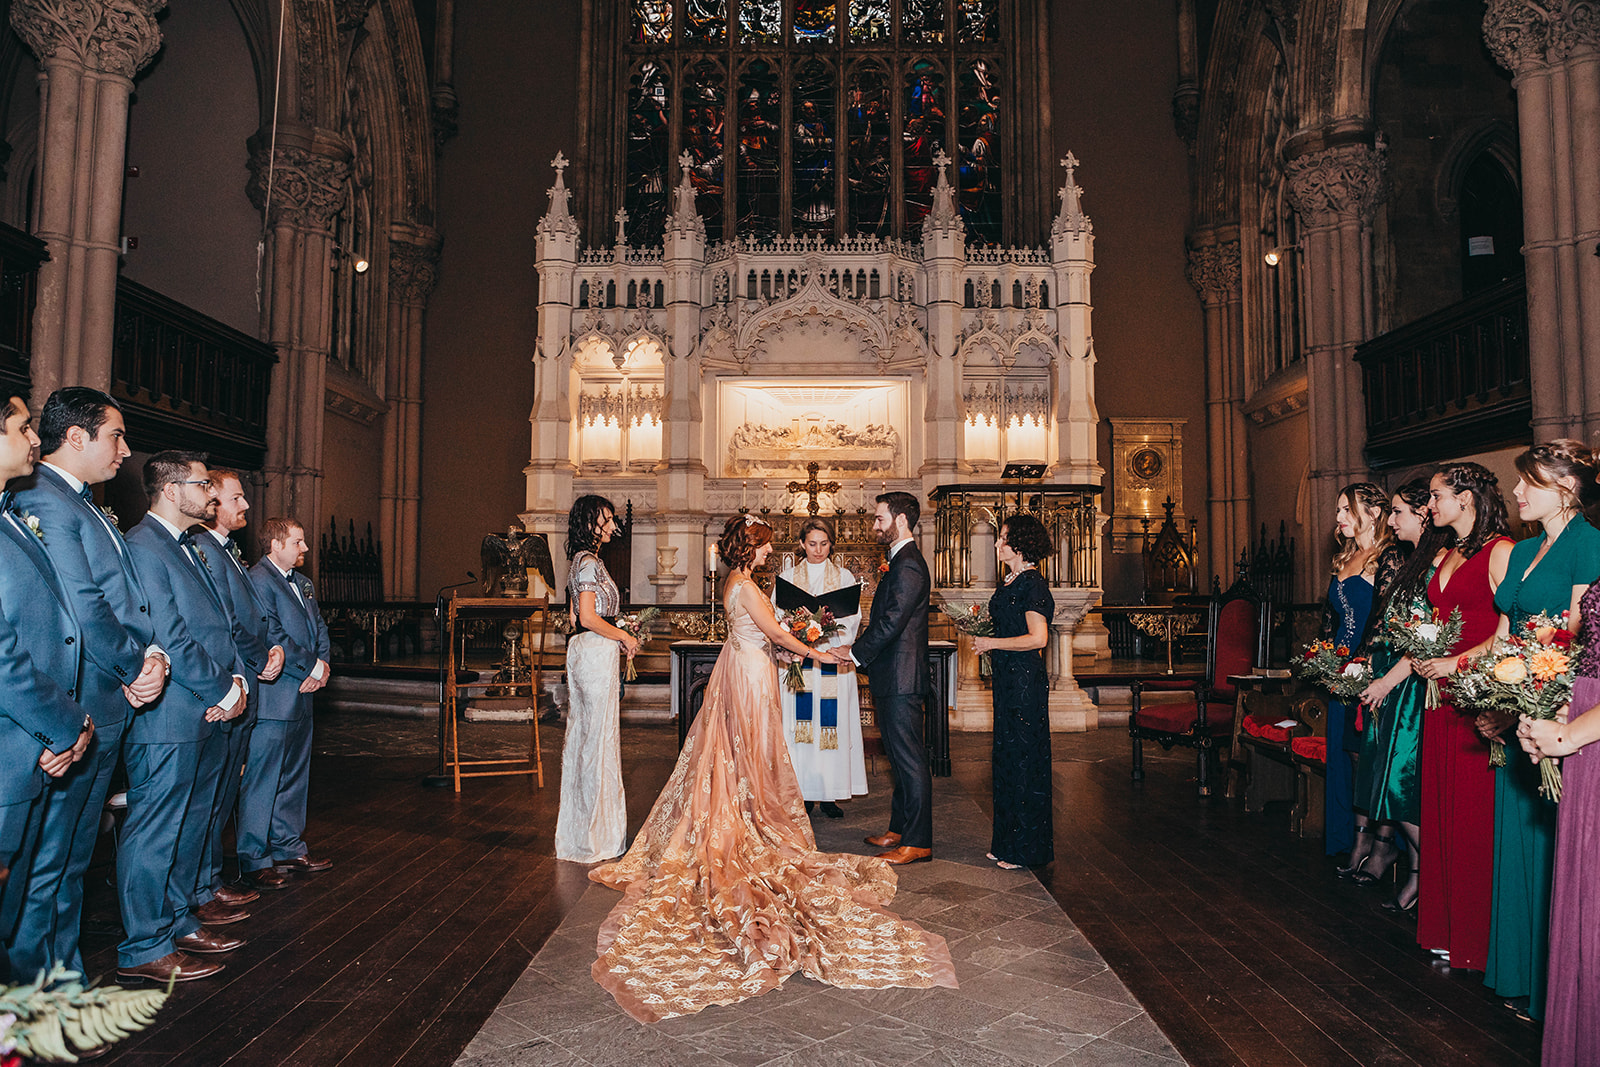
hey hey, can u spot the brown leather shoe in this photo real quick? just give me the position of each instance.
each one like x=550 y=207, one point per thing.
x=907 y=854
x=234 y=897
x=305 y=863
x=209 y=942
x=887 y=839
x=177 y=966
x=268 y=878
x=216 y=913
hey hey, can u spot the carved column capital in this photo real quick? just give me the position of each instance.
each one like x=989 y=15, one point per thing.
x=1346 y=181
x=413 y=269
x=307 y=188
x=1213 y=269
x=115 y=36
x=1525 y=36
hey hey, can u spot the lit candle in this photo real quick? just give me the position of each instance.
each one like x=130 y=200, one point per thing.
x=744 y=490
x=711 y=558
x=764 y=504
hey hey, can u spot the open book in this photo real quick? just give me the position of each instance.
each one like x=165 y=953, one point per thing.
x=842 y=602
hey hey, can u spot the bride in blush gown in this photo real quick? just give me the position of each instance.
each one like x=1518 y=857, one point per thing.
x=724 y=892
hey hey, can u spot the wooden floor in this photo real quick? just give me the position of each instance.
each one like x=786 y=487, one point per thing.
x=1237 y=939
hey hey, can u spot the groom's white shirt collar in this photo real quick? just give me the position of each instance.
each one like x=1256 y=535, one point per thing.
x=898 y=545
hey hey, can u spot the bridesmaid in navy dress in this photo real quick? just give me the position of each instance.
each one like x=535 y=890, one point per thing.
x=1362 y=519
x=1021 y=609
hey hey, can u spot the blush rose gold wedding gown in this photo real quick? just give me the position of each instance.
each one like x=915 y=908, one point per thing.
x=724 y=892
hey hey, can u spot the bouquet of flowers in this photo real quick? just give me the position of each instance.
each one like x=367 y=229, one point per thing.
x=974 y=621
x=1528 y=673
x=637 y=626
x=1420 y=635
x=1333 y=668
x=810 y=628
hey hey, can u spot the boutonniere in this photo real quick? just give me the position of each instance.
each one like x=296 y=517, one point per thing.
x=233 y=547
x=112 y=515
x=306 y=590
x=32 y=523
x=883 y=568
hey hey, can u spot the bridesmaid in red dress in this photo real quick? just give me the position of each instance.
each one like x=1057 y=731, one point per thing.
x=1457 y=861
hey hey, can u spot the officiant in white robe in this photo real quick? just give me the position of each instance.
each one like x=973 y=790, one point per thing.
x=825 y=748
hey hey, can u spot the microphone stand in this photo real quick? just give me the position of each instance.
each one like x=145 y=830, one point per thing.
x=439 y=779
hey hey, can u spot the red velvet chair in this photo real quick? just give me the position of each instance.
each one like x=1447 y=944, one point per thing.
x=1238 y=626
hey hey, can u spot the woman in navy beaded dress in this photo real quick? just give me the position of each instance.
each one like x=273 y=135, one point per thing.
x=1021 y=609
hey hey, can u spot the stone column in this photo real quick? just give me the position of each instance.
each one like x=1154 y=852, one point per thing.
x=1553 y=49
x=681 y=513
x=1214 y=272
x=1335 y=189
x=308 y=174
x=944 y=261
x=550 y=468
x=1077 y=417
x=88 y=51
x=413 y=268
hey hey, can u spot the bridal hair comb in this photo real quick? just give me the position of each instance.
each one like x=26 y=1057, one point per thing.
x=754 y=520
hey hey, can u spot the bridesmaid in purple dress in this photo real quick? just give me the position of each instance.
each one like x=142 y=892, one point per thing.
x=1572 y=1006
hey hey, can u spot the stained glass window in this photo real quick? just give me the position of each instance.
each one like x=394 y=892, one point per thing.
x=867 y=118
x=704 y=105
x=760 y=108
x=869 y=20
x=649 y=106
x=812 y=116
x=978 y=162
x=652 y=21
x=922 y=21
x=922 y=137
x=976 y=21
x=705 y=20
x=760 y=21
x=813 y=21
x=812 y=192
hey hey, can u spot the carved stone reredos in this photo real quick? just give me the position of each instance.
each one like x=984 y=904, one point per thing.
x=116 y=36
x=812 y=310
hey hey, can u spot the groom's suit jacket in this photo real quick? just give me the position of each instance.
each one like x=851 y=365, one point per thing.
x=893 y=646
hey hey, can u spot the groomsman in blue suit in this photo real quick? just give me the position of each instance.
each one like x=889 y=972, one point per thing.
x=81 y=436
x=43 y=729
x=262 y=644
x=175 y=750
x=272 y=801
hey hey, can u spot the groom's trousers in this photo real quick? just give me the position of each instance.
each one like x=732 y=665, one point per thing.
x=899 y=717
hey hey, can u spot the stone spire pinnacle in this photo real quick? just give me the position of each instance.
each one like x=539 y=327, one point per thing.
x=1071 y=218
x=685 y=218
x=559 y=218
x=944 y=216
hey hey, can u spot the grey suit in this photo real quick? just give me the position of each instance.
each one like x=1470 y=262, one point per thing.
x=272 y=801
x=41 y=659
x=174 y=756
x=103 y=585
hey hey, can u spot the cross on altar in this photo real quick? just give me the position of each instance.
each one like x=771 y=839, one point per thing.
x=811 y=487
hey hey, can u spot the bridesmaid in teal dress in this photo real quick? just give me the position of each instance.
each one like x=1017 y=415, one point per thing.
x=1389 y=787
x=1548 y=573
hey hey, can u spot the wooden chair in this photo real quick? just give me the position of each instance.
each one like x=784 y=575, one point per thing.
x=1238 y=625
x=500 y=608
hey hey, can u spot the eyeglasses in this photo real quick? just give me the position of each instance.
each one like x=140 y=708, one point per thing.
x=194 y=481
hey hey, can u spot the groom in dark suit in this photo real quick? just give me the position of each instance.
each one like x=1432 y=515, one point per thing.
x=894 y=649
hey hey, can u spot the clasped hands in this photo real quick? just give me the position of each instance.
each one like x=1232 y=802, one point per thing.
x=839 y=655
x=55 y=764
x=152 y=679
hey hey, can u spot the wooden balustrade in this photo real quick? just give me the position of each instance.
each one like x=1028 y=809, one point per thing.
x=1451 y=383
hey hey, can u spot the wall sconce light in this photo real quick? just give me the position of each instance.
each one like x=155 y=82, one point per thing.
x=1274 y=256
x=359 y=263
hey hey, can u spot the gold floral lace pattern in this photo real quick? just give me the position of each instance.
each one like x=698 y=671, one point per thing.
x=724 y=893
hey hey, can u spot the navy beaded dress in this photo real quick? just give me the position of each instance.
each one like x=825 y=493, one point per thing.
x=1022 y=827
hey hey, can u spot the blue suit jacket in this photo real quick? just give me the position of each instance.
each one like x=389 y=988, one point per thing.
x=196 y=630
x=103 y=584
x=41 y=658
x=255 y=629
x=282 y=699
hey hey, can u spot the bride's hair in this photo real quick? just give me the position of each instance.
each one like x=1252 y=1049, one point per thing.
x=740 y=539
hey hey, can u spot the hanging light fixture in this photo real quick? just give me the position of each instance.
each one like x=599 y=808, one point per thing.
x=358 y=263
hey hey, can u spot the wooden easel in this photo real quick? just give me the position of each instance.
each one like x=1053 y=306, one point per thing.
x=506 y=608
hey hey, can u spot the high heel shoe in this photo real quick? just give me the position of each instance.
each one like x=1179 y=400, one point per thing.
x=1393 y=903
x=1355 y=862
x=1362 y=876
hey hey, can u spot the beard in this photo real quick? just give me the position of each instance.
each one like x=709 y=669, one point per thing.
x=885 y=537
x=205 y=512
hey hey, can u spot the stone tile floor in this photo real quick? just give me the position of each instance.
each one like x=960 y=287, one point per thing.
x=1033 y=990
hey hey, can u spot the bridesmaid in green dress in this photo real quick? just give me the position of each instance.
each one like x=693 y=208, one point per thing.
x=1390 y=788
x=1548 y=573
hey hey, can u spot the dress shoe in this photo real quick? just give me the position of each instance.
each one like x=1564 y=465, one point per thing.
x=91 y=1053
x=888 y=839
x=176 y=966
x=832 y=810
x=305 y=863
x=216 y=913
x=268 y=878
x=234 y=897
x=209 y=942
x=907 y=854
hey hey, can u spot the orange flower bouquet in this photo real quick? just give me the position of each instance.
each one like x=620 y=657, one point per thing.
x=1528 y=673
x=810 y=628
x=1332 y=667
